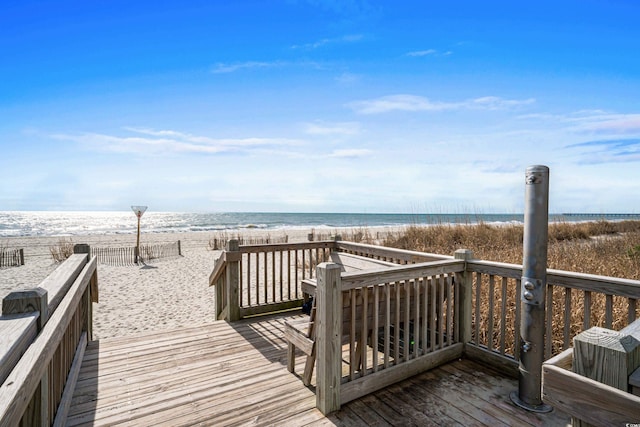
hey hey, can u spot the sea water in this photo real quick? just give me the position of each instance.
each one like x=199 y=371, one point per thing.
x=49 y=223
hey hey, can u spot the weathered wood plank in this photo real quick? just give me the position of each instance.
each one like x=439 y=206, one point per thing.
x=20 y=385
x=67 y=395
x=249 y=358
x=587 y=399
x=365 y=385
x=59 y=281
x=16 y=334
x=400 y=273
x=389 y=253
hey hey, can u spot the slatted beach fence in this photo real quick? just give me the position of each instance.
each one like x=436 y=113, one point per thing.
x=220 y=242
x=115 y=256
x=11 y=257
x=123 y=256
x=166 y=250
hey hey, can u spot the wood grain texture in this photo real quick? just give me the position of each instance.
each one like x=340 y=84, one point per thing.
x=236 y=374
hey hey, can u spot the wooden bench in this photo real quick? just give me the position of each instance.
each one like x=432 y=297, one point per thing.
x=300 y=333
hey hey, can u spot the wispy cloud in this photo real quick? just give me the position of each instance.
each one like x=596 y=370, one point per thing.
x=428 y=52
x=347 y=78
x=609 y=150
x=350 y=38
x=593 y=121
x=350 y=153
x=615 y=123
x=171 y=142
x=390 y=103
x=322 y=128
x=221 y=68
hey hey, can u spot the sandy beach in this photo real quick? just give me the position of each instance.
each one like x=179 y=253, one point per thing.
x=165 y=294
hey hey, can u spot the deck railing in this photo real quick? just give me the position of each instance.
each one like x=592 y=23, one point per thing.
x=485 y=303
x=258 y=279
x=44 y=333
x=574 y=303
x=395 y=322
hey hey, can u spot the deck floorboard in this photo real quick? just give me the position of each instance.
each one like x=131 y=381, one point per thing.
x=236 y=374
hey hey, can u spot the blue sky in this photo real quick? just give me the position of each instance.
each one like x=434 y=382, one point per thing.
x=318 y=106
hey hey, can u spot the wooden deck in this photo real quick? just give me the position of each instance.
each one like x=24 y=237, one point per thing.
x=236 y=374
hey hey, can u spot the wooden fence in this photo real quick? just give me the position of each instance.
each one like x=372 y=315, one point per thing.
x=45 y=331
x=11 y=257
x=127 y=255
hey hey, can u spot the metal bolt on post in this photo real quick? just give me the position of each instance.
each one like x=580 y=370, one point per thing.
x=533 y=290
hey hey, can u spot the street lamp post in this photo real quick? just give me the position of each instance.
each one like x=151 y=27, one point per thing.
x=138 y=210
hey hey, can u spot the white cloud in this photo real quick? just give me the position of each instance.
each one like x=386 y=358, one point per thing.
x=347 y=78
x=422 y=52
x=350 y=153
x=418 y=103
x=169 y=141
x=350 y=38
x=593 y=121
x=221 y=68
x=322 y=128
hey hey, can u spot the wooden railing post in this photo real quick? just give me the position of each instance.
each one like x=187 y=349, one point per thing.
x=328 y=337
x=234 y=257
x=21 y=256
x=465 y=281
x=27 y=301
x=606 y=356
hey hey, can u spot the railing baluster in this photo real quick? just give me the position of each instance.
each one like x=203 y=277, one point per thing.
x=567 y=318
x=364 y=331
x=407 y=313
x=296 y=272
x=586 y=322
x=425 y=315
x=449 y=320
x=265 y=284
x=608 y=311
x=396 y=326
x=491 y=303
x=374 y=336
x=477 y=313
x=548 y=348
x=503 y=315
x=631 y=314
x=416 y=317
x=249 y=279
x=273 y=276
x=516 y=330
x=352 y=336
x=441 y=311
x=387 y=322
x=433 y=319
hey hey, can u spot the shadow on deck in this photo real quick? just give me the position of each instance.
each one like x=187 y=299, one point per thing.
x=236 y=374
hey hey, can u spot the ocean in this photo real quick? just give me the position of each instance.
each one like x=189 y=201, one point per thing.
x=49 y=223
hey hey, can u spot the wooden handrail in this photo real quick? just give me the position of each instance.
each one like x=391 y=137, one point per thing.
x=22 y=382
x=392 y=274
x=390 y=253
x=218 y=269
